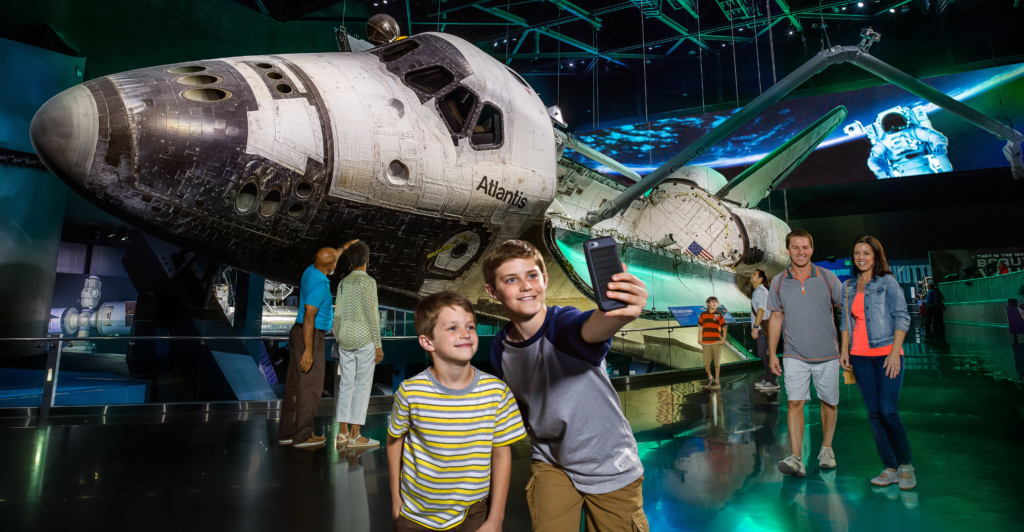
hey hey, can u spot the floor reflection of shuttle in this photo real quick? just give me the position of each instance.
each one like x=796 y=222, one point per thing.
x=428 y=148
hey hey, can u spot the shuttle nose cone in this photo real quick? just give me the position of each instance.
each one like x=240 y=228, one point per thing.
x=64 y=131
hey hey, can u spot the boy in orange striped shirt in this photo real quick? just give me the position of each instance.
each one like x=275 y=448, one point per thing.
x=711 y=333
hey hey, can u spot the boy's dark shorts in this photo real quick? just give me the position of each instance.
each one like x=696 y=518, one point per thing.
x=475 y=518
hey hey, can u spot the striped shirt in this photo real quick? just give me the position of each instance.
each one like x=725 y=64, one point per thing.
x=446 y=456
x=356 y=316
x=712 y=323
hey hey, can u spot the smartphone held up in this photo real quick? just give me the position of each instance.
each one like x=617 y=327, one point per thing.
x=603 y=262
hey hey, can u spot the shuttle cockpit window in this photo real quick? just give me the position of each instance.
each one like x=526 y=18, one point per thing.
x=518 y=78
x=487 y=131
x=398 y=51
x=456 y=107
x=430 y=79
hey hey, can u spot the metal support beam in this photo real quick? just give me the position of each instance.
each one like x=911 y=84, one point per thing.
x=684 y=4
x=583 y=14
x=501 y=13
x=834 y=16
x=681 y=30
x=519 y=43
x=789 y=14
x=408 y=17
x=821 y=61
x=886 y=10
x=577 y=54
x=464 y=6
x=674 y=46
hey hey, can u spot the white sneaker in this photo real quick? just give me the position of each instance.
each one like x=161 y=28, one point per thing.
x=905 y=482
x=370 y=442
x=886 y=477
x=760 y=384
x=770 y=388
x=792 y=465
x=827 y=458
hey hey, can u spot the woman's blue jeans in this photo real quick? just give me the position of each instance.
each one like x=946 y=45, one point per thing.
x=881 y=395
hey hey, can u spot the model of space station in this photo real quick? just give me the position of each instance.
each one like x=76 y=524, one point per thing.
x=903 y=142
x=431 y=152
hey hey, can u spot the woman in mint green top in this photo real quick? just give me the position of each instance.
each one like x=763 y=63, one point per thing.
x=358 y=349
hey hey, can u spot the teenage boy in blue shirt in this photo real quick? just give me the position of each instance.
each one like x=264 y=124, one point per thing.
x=552 y=358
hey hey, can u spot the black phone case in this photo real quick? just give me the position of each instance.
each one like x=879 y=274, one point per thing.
x=603 y=262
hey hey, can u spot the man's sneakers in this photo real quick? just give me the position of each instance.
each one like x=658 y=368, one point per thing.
x=827 y=458
x=792 y=465
x=313 y=441
x=709 y=383
x=284 y=442
x=770 y=387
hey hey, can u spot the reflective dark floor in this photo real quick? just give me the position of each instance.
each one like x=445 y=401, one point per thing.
x=710 y=461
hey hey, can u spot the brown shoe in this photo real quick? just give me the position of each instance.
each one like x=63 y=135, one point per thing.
x=313 y=441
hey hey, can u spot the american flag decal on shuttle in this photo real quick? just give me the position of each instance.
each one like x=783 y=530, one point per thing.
x=697 y=251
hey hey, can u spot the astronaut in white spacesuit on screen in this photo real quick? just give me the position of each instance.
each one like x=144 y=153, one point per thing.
x=904 y=143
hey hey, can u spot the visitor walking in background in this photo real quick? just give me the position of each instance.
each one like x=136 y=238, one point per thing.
x=936 y=306
x=358 y=349
x=801 y=301
x=758 y=329
x=875 y=322
x=711 y=330
x=304 y=383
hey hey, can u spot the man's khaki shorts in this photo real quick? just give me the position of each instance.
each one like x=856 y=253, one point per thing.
x=712 y=352
x=556 y=505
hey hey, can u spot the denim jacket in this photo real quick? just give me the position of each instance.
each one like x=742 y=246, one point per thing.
x=885 y=307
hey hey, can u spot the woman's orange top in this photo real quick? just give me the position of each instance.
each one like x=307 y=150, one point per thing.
x=861 y=347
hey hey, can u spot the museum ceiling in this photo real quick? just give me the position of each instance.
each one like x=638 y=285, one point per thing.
x=602 y=61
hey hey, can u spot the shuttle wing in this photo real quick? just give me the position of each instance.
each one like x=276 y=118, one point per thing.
x=750 y=187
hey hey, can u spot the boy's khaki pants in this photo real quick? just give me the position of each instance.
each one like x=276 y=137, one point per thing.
x=555 y=504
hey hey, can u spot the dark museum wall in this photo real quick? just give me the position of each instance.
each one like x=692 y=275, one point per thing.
x=911 y=215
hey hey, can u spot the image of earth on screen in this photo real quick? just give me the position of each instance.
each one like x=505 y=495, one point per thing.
x=888 y=133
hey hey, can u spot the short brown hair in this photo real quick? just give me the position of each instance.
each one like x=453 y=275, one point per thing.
x=710 y=299
x=510 y=250
x=799 y=233
x=431 y=306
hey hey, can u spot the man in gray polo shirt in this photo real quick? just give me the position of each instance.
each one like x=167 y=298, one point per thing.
x=801 y=299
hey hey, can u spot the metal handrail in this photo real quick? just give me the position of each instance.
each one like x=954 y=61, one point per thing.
x=285 y=337
x=111 y=338
x=277 y=337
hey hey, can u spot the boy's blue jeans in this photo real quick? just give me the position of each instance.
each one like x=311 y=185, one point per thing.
x=881 y=395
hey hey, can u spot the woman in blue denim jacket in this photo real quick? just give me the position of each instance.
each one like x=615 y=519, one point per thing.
x=875 y=322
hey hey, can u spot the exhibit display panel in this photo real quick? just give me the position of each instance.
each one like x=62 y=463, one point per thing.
x=888 y=133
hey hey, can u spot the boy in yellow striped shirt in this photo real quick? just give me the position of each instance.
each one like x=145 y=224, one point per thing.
x=450 y=429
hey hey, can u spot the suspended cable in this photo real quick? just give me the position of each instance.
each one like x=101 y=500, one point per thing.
x=643 y=39
x=700 y=55
x=735 y=71
x=771 y=39
x=824 y=32
x=753 y=8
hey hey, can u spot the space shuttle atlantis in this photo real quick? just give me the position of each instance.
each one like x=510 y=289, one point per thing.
x=427 y=149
